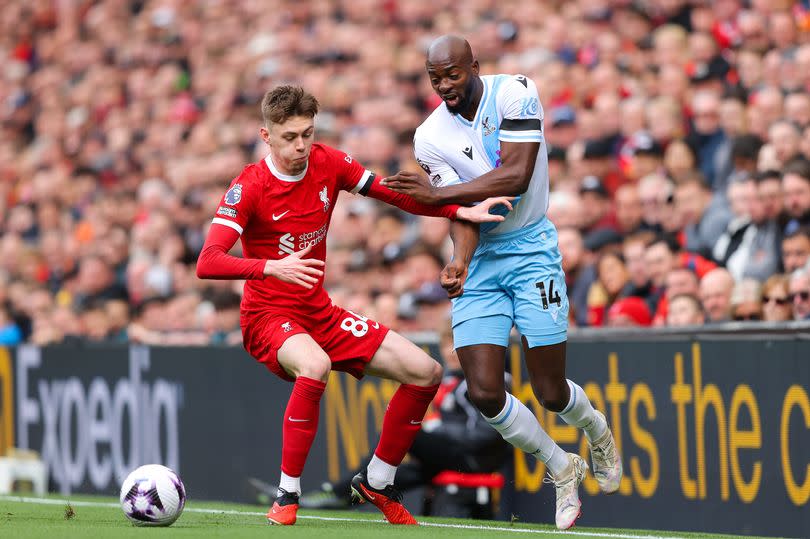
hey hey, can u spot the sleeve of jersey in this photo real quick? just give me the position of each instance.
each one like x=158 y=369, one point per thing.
x=361 y=181
x=521 y=110
x=406 y=202
x=216 y=263
x=233 y=213
x=441 y=174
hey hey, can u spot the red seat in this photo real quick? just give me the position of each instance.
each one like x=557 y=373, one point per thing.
x=469 y=480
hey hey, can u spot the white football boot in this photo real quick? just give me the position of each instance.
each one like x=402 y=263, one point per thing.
x=567 y=485
x=607 y=464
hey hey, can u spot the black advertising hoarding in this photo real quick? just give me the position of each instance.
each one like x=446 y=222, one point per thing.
x=212 y=414
x=715 y=433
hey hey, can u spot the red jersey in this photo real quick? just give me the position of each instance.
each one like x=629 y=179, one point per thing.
x=277 y=215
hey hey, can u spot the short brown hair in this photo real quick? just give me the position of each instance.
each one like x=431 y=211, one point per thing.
x=283 y=102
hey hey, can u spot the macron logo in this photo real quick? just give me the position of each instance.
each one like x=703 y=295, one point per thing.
x=286 y=244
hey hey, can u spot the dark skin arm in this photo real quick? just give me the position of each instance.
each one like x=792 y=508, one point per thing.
x=465 y=239
x=511 y=178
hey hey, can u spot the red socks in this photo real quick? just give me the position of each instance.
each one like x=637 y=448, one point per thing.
x=300 y=424
x=402 y=421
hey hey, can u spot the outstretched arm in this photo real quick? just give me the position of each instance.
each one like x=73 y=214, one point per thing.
x=477 y=214
x=511 y=178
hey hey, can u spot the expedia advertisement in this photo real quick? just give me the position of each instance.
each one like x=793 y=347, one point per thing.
x=714 y=432
x=95 y=413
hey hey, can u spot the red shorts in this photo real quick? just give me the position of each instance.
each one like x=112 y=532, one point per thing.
x=350 y=340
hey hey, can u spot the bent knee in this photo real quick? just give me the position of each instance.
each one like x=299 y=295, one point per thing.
x=556 y=405
x=552 y=394
x=428 y=373
x=316 y=367
x=489 y=401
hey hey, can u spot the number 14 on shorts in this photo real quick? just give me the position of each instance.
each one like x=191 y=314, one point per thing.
x=553 y=296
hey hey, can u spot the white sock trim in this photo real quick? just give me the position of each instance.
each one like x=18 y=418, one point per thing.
x=580 y=413
x=290 y=484
x=507 y=413
x=572 y=398
x=380 y=473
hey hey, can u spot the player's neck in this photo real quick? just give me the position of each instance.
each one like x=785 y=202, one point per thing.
x=469 y=114
x=282 y=174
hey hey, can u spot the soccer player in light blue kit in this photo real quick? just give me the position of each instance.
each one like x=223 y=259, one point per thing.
x=484 y=140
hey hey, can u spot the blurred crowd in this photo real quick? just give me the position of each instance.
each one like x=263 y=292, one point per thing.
x=678 y=135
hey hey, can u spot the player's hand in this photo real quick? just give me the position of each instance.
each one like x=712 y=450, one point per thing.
x=296 y=269
x=480 y=212
x=414 y=184
x=452 y=278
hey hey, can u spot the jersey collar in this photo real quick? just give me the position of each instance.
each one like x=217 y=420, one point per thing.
x=477 y=117
x=285 y=177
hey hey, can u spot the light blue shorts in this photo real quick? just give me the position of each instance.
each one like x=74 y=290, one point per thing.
x=516 y=279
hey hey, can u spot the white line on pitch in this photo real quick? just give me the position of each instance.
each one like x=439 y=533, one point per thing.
x=52 y=501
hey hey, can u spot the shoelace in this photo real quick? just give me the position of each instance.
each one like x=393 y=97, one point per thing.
x=559 y=485
x=604 y=454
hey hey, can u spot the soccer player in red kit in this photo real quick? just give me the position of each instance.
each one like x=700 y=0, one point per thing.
x=281 y=207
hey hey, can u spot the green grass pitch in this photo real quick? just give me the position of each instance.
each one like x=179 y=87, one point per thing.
x=95 y=517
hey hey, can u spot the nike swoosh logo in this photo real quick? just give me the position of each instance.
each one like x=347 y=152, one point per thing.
x=297 y=420
x=279 y=216
x=369 y=495
x=415 y=422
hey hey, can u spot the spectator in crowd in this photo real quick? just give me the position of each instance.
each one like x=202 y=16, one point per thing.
x=797 y=109
x=679 y=281
x=715 y=295
x=596 y=205
x=769 y=192
x=796 y=249
x=776 y=304
x=785 y=137
x=708 y=139
x=566 y=209
x=745 y=149
x=613 y=282
x=685 y=310
x=753 y=249
x=680 y=162
x=646 y=157
x=656 y=193
x=633 y=250
x=746 y=300
x=660 y=258
x=703 y=216
x=113 y=153
x=579 y=273
x=629 y=312
x=796 y=187
x=799 y=288
x=628 y=209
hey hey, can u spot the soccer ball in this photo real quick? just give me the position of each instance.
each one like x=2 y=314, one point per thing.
x=153 y=495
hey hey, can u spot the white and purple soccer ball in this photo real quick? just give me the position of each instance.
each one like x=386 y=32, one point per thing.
x=153 y=495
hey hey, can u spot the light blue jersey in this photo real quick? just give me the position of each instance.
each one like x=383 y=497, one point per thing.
x=515 y=276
